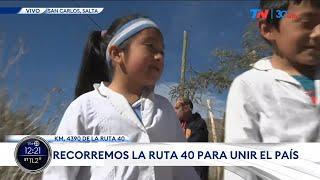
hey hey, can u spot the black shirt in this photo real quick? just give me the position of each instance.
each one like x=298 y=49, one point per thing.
x=198 y=127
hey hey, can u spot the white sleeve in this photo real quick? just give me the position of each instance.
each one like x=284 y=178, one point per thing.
x=178 y=172
x=241 y=124
x=182 y=172
x=174 y=119
x=242 y=120
x=71 y=124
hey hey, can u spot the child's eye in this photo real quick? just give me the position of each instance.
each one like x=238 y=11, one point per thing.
x=150 y=45
x=162 y=53
x=308 y=24
x=153 y=48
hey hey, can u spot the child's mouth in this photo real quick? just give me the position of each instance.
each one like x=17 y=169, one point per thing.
x=155 y=68
x=313 y=48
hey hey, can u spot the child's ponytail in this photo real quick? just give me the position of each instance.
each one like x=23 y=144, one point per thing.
x=93 y=68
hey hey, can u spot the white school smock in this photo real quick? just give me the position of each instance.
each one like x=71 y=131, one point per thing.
x=105 y=112
x=268 y=105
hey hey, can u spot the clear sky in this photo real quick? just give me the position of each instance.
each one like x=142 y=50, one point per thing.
x=55 y=42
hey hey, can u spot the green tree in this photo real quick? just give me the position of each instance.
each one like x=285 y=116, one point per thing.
x=230 y=64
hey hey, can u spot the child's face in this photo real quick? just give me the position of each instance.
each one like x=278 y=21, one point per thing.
x=298 y=40
x=144 y=61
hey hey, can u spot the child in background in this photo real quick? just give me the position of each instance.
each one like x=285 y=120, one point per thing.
x=276 y=101
x=127 y=60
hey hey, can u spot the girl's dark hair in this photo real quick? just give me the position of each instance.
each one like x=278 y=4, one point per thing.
x=94 y=68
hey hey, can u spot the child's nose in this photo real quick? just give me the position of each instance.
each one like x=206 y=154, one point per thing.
x=315 y=35
x=158 y=56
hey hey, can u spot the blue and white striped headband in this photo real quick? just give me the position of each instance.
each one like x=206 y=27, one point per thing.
x=128 y=30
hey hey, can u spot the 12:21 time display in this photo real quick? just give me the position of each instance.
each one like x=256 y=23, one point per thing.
x=32 y=150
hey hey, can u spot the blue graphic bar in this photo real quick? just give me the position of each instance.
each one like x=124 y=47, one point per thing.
x=9 y=10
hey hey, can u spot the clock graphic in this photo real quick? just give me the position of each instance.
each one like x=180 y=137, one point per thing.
x=33 y=154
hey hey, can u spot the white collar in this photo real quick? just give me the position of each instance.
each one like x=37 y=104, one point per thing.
x=123 y=107
x=264 y=64
x=105 y=91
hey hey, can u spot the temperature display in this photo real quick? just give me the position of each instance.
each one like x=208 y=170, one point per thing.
x=33 y=154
